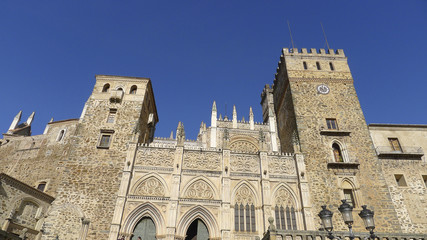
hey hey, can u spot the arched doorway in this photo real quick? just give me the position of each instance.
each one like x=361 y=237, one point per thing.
x=145 y=229
x=197 y=231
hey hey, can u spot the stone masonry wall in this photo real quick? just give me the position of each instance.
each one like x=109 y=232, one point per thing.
x=311 y=110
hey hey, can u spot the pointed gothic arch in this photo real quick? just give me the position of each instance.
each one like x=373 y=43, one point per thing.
x=286 y=208
x=204 y=184
x=153 y=184
x=251 y=188
x=338 y=151
x=198 y=212
x=145 y=210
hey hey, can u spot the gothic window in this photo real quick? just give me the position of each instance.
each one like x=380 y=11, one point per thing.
x=318 y=65
x=331 y=66
x=284 y=211
x=60 y=135
x=106 y=88
x=331 y=123
x=395 y=145
x=111 y=115
x=133 y=90
x=305 y=65
x=337 y=153
x=244 y=211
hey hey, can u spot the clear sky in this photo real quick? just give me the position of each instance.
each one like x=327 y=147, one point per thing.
x=197 y=51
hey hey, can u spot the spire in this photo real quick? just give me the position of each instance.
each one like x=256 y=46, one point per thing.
x=30 y=119
x=15 y=121
x=201 y=128
x=180 y=134
x=214 y=115
x=251 y=119
x=51 y=120
x=171 y=136
x=234 y=117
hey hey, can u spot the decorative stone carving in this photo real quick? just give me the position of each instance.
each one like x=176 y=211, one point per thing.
x=202 y=161
x=155 y=157
x=199 y=190
x=243 y=146
x=244 y=195
x=278 y=165
x=150 y=187
x=284 y=197
x=244 y=163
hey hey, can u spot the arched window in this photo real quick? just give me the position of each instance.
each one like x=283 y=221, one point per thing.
x=244 y=211
x=146 y=229
x=348 y=193
x=133 y=90
x=120 y=89
x=285 y=211
x=106 y=88
x=60 y=135
x=338 y=157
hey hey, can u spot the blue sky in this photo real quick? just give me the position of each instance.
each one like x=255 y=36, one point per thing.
x=196 y=52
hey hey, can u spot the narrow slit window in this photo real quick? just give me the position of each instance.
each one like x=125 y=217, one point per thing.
x=111 y=115
x=425 y=180
x=305 y=65
x=253 y=218
x=331 y=66
x=236 y=217
x=318 y=65
x=60 y=135
x=242 y=217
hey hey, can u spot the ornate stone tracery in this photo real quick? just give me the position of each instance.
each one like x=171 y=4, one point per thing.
x=150 y=187
x=243 y=146
x=202 y=161
x=280 y=165
x=244 y=163
x=244 y=195
x=155 y=157
x=199 y=190
x=284 y=198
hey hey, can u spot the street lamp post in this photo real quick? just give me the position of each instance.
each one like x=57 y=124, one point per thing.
x=346 y=211
x=368 y=218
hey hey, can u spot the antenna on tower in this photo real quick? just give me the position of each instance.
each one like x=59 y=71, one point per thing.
x=290 y=33
x=324 y=34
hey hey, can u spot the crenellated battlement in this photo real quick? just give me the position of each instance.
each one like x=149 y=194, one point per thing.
x=312 y=52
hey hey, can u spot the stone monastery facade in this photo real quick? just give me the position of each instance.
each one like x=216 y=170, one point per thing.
x=105 y=175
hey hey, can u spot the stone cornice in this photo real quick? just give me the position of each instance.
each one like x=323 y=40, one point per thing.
x=26 y=188
x=322 y=80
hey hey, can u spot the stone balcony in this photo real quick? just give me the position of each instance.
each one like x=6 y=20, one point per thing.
x=406 y=152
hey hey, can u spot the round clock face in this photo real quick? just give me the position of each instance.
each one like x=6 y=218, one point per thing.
x=323 y=89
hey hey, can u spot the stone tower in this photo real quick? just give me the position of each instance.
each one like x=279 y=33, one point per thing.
x=318 y=113
x=119 y=114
